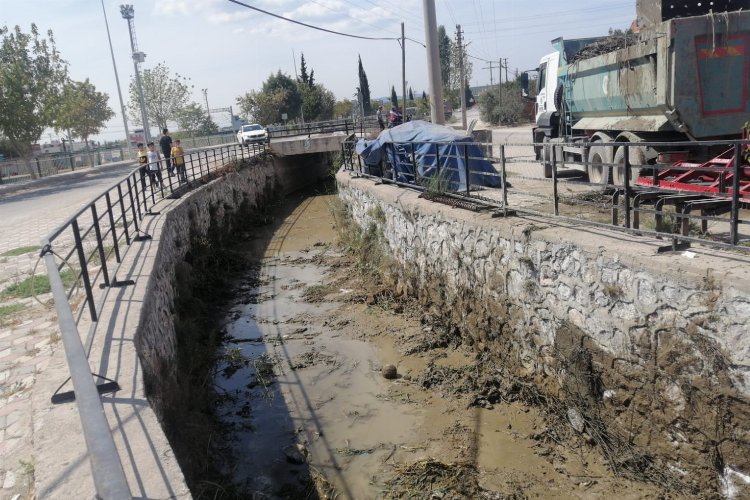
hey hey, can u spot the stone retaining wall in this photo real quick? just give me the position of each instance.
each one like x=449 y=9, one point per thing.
x=666 y=335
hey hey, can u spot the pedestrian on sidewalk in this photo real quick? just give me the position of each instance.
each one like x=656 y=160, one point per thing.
x=379 y=114
x=166 y=149
x=154 y=170
x=178 y=158
x=142 y=164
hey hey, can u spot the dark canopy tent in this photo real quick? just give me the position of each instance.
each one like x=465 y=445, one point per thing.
x=433 y=149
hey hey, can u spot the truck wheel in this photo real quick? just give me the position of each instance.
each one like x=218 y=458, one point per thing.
x=637 y=159
x=544 y=168
x=600 y=159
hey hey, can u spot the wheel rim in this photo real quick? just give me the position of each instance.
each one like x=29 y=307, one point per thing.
x=597 y=169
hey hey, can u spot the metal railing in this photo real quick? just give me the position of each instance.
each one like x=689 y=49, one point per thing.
x=86 y=250
x=14 y=170
x=649 y=198
x=324 y=127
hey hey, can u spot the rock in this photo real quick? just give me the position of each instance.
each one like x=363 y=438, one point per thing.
x=371 y=300
x=398 y=308
x=576 y=420
x=295 y=454
x=389 y=372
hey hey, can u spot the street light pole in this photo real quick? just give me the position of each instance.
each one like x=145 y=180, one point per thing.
x=138 y=57
x=117 y=79
x=205 y=96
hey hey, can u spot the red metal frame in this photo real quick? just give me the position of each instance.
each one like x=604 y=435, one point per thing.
x=716 y=176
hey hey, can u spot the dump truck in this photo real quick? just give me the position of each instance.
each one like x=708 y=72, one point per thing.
x=681 y=73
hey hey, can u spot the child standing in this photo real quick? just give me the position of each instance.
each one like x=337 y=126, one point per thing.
x=154 y=171
x=178 y=158
x=142 y=164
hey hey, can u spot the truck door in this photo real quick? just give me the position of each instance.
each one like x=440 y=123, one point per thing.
x=545 y=100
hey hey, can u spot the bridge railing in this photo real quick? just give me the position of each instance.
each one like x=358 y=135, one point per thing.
x=680 y=202
x=82 y=255
x=323 y=127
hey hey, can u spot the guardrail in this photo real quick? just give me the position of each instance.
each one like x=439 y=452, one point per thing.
x=86 y=245
x=346 y=125
x=15 y=170
x=701 y=206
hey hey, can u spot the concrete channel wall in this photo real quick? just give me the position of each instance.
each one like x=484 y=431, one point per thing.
x=666 y=335
x=212 y=209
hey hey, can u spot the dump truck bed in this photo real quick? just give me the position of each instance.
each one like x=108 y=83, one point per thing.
x=686 y=75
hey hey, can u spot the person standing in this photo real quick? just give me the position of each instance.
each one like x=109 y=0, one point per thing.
x=166 y=149
x=142 y=164
x=154 y=171
x=178 y=159
x=381 y=123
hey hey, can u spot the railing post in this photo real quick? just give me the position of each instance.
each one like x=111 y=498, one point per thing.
x=555 y=198
x=100 y=244
x=84 y=269
x=70 y=160
x=467 y=172
x=112 y=226
x=734 y=222
x=38 y=168
x=628 y=192
x=124 y=214
x=505 y=184
x=414 y=164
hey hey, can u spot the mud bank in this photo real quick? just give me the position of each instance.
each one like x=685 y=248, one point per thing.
x=644 y=355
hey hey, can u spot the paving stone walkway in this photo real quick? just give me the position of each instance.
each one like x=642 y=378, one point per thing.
x=29 y=334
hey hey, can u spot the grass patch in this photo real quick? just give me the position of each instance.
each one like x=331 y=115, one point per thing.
x=35 y=285
x=20 y=251
x=9 y=310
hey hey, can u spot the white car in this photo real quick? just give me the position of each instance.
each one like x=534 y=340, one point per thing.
x=250 y=134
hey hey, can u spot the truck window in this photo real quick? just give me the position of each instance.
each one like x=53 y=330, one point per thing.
x=542 y=77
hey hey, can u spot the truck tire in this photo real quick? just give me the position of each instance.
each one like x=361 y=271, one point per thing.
x=544 y=167
x=599 y=162
x=637 y=158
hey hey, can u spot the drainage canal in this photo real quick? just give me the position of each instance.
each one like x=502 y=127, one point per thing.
x=304 y=408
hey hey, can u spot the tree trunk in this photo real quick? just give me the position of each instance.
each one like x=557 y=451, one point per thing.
x=89 y=153
x=30 y=167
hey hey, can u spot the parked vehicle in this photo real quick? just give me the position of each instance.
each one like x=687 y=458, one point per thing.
x=683 y=75
x=251 y=134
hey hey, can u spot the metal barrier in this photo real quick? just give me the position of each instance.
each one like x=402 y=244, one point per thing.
x=682 y=198
x=86 y=243
x=15 y=170
x=324 y=127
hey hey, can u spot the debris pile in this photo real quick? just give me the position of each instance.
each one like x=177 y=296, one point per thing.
x=616 y=41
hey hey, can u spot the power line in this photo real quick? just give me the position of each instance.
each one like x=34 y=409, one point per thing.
x=347 y=15
x=310 y=25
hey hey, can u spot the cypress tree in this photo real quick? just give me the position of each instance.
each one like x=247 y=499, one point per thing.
x=364 y=87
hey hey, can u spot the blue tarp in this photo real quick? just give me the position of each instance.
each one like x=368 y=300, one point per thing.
x=423 y=144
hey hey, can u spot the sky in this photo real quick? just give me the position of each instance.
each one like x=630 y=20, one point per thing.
x=229 y=49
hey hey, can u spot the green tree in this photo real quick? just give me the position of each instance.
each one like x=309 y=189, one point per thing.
x=317 y=103
x=394 y=97
x=343 y=108
x=291 y=100
x=411 y=95
x=303 y=76
x=32 y=75
x=364 y=88
x=502 y=104
x=83 y=112
x=445 y=49
x=165 y=96
x=262 y=107
x=194 y=119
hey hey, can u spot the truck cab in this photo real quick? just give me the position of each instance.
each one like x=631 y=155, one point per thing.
x=546 y=85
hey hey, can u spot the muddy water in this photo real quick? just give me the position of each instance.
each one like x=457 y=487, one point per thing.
x=304 y=394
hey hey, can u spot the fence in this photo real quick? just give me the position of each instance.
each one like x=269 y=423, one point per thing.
x=680 y=201
x=89 y=245
x=15 y=170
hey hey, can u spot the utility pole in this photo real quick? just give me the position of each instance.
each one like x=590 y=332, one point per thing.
x=462 y=86
x=403 y=71
x=492 y=82
x=437 y=111
x=117 y=80
x=506 y=69
x=500 y=74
